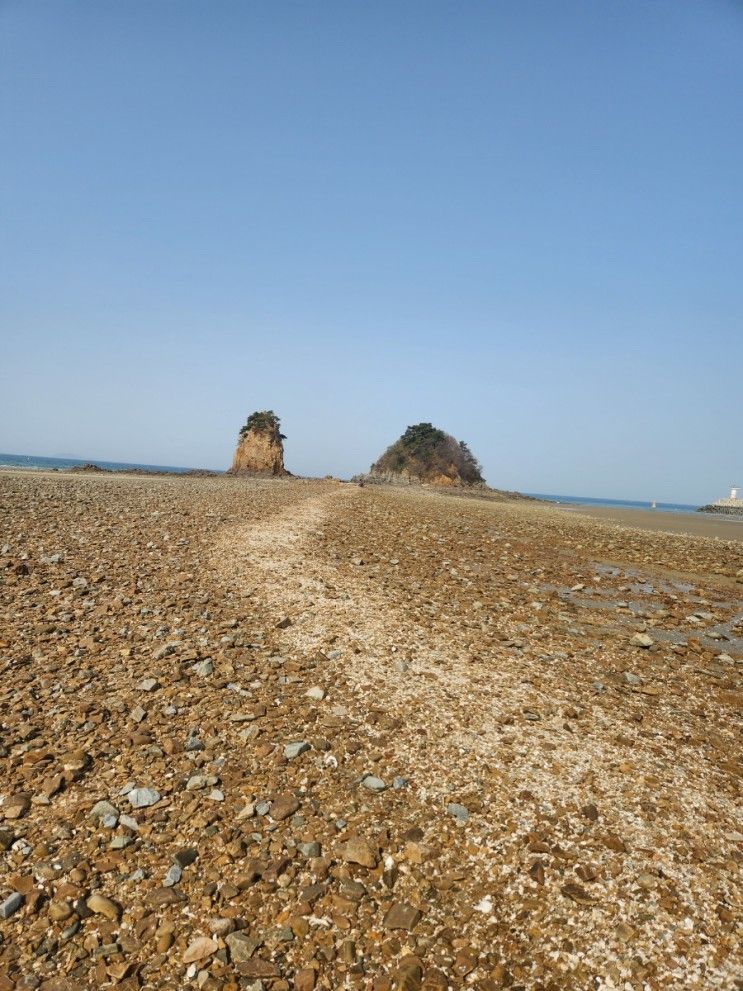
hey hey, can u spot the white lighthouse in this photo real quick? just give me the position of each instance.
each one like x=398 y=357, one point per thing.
x=734 y=492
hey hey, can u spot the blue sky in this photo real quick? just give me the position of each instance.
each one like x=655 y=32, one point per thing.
x=522 y=221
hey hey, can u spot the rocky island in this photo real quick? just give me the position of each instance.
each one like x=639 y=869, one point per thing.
x=260 y=446
x=426 y=455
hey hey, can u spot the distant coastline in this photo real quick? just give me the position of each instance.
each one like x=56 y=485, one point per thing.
x=666 y=507
x=33 y=462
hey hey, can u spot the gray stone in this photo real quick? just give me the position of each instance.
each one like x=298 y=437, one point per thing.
x=309 y=849
x=631 y=679
x=373 y=783
x=292 y=750
x=241 y=946
x=11 y=904
x=198 y=781
x=316 y=693
x=398 y=783
x=103 y=810
x=203 y=668
x=148 y=685
x=141 y=798
x=460 y=813
x=642 y=640
x=173 y=876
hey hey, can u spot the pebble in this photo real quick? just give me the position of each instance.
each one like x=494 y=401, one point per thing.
x=186 y=856
x=357 y=850
x=460 y=813
x=142 y=798
x=642 y=640
x=11 y=905
x=401 y=915
x=242 y=946
x=100 y=905
x=173 y=876
x=316 y=693
x=104 y=810
x=292 y=750
x=200 y=949
x=373 y=783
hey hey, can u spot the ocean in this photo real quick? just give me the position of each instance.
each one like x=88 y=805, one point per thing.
x=33 y=461
x=666 y=507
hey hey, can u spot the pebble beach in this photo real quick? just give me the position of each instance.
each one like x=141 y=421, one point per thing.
x=290 y=734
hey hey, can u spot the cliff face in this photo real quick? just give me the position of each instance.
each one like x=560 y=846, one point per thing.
x=260 y=448
x=426 y=455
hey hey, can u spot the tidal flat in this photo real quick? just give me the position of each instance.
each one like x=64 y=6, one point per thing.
x=296 y=734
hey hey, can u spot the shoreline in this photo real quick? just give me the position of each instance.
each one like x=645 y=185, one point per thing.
x=686 y=524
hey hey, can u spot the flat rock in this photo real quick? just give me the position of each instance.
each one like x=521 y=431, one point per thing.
x=357 y=850
x=200 y=949
x=401 y=915
x=283 y=807
x=142 y=798
x=242 y=946
x=292 y=750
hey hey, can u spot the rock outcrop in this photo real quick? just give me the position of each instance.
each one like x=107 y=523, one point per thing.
x=260 y=448
x=426 y=455
x=724 y=507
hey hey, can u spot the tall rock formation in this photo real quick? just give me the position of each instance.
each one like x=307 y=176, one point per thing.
x=260 y=448
x=426 y=455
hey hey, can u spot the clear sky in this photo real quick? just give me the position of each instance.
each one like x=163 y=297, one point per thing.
x=521 y=220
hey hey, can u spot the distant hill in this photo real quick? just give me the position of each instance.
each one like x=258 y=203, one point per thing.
x=426 y=455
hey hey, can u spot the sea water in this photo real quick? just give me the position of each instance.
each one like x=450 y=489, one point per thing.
x=665 y=507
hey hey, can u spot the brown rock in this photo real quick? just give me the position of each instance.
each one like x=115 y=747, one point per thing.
x=304 y=980
x=401 y=916
x=283 y=807
x=100 y=905
x=201 y=948
x=578 y=894
x=357 y=850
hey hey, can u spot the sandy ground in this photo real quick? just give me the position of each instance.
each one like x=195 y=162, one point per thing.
x=652 y=519
x=362 y=738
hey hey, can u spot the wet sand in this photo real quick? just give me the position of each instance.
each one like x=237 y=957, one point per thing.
x=651 y=519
